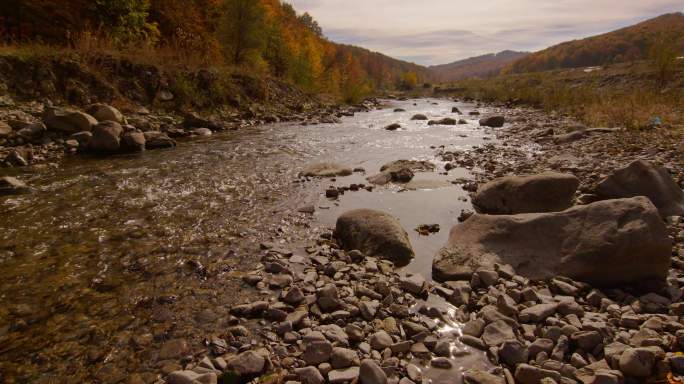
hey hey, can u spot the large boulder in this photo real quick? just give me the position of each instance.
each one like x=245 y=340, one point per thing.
x=106 y=137
x=642 y=178
x=546 y=192
x=104 y=112
x=68 y=120
x=605 y=243
x=326 y=170
x=374 y=233
x=493 y=121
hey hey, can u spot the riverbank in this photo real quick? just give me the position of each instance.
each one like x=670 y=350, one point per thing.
x=628 y=95
x=344 y=315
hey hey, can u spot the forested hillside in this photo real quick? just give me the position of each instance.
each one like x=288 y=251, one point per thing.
x=262 y=36
x=627 y=44
x=479 y=66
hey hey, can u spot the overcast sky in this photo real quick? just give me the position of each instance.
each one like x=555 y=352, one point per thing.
x=441 y=31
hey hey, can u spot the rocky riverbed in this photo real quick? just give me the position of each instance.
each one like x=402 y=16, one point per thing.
x=217 y=260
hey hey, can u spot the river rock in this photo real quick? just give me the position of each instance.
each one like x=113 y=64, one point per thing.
x=605 y=243
x=32 y=132
x=546 y=192
x=339 y=376
x=106 y=137
x=247 y=364
x=5 y=129
x=104 y=112
x=133 y=141
x=497 y=332
x=642 y=178
x=493 y=121
x=419 y=117
x=528 y=374
x=374 y=233
x=12 y=186
x=475 y=376
x=444 y=121
x=191 y=377
x=380 y=340
x=393 y=127
x=68 y=120
x=637 y=362
x=309 y=375
x=371 y=373
x=343 y=358
x=317 y=352
x=326 y=170
x=158 y=140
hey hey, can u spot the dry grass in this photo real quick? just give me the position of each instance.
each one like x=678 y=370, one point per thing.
x=611 y=99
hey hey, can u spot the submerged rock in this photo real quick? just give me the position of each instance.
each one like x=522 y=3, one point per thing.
x=604 y=243
x=12 y=186
x=547 y=192
x=374 y=233
x=642 y=178
x=326 y=170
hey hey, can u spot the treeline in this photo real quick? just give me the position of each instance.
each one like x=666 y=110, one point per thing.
x=624 y=45
x=265 y=36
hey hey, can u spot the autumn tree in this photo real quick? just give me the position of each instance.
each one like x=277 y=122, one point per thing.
x=311 y=24
x=409 y=80
x=241 y=30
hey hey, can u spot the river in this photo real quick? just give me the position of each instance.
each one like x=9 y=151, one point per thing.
x=108 y=256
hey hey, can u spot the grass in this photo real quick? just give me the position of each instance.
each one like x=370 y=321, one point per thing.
x=624 y=96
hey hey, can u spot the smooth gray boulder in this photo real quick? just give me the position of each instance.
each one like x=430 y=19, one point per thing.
x=326 y=170
x=606 y=243
x=546 y=192
x=374 y=233
x=642 y=178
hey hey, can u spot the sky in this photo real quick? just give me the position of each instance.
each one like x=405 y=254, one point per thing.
x=433 y=32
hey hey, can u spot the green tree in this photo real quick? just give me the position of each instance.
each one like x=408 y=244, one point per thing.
x=126 y=20
x=242 y=30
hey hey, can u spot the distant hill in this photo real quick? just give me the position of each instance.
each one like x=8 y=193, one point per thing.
x=626 y=44
x=480 y=66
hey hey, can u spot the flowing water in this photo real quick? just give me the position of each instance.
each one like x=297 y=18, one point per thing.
x=108 y=256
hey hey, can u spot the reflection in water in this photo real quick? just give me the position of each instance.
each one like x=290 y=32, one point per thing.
x=109 y=258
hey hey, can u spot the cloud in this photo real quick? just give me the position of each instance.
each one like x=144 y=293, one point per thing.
x=440 y=31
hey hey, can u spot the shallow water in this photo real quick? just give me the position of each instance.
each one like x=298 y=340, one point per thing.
x=109 y=257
